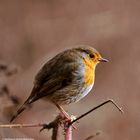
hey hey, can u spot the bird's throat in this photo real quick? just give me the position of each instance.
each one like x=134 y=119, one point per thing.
x=89 y=72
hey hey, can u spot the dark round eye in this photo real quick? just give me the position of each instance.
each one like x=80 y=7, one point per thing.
x=91 y=55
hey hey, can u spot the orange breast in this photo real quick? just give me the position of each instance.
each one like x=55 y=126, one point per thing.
x=89 y=71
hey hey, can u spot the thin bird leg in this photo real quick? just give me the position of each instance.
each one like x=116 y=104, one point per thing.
x=66 y=115
x=63 y=111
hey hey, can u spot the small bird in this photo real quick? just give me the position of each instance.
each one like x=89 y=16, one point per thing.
x=66 y=78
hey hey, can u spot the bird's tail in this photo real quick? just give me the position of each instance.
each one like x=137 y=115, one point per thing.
x=32 y=98
x=20 y=110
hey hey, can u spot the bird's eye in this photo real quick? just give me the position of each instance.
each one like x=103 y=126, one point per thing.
x=91 y=55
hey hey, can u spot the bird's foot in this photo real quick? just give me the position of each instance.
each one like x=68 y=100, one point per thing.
x=67 y=119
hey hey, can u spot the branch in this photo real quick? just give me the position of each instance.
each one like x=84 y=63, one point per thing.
x=102 y=104
x=20 y=125
x=68 y=131
x=54 y=125
x=60 y=119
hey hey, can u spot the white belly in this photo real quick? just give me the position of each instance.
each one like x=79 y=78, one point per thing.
x=84 y=92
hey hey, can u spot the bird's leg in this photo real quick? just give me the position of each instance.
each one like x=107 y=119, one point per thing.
x=66 y=115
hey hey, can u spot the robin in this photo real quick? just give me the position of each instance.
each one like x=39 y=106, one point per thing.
x=66 y=78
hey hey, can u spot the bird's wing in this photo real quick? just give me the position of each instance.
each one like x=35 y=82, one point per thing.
x=60 y=65
x=53 y=76
x=49 y=87
x=46 y=85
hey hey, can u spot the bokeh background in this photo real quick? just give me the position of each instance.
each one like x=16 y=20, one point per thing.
x=33 y=31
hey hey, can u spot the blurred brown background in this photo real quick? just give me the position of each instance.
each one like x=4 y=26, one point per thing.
x=33 y=31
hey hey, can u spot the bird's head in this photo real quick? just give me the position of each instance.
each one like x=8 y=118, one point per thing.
x=90 y=55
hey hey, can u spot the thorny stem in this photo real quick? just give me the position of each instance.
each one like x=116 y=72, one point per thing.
x=68 y=131
x=54 y=125
x=68 y=128
x=55 y=132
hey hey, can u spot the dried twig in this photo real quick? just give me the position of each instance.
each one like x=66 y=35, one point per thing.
x=20 y=125
x=54 y=125
x=102 y=104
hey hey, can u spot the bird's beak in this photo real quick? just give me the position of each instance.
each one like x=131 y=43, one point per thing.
x=103 y=60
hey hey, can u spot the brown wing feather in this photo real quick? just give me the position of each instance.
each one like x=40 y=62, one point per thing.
x=51 y=77
x=49 y=88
